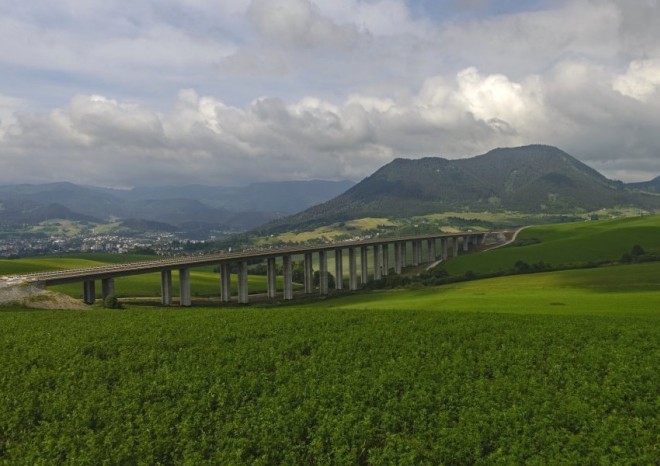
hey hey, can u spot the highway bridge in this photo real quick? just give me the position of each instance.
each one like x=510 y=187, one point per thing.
x=432 y=246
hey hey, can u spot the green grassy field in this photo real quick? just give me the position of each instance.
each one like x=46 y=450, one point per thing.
x=65 y=261
x=620 y=290
x=542 y=369
x=565 y=244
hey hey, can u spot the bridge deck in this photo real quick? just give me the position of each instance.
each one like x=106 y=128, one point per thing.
x=134 y=268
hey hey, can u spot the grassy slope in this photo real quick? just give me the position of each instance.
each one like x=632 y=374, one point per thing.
x=625 y=289
x=567 y=244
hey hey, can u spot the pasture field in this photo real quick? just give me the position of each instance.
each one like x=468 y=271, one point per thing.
x=566 y=244
x=329 y=232
x=541 y=369
x=66 y=261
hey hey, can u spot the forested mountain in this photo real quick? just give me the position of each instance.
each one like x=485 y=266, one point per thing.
x=652 y=186
x=532 y=178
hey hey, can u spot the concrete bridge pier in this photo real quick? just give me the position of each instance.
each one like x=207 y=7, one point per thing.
x=107 y=287
x=415 y=263
x=309 y=274
x=184 y=287
x=166 y=287
x=339 y=269
x=455 y=244
x=378 y=261
x=398 y=257
x=466 y=244
x=323 y=272
x=415 y=253
x=243 y=282
x=364 y=264
x=225 y=282
x=89 y=291
x=352 y=270
x=271 y=277
x=444 y=245
x=430 y=246
x=386 y=259
x=287 y=271
x=404 y=253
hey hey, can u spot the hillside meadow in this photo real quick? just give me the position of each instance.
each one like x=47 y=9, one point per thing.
x=566 y=245
x=541 y=369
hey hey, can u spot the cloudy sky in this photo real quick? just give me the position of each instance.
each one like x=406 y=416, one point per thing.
x=123 y=93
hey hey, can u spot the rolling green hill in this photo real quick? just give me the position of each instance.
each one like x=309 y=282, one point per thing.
x=568 y=244
x=524 y=179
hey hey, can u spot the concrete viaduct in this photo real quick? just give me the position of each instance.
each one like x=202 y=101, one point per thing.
x=437 y=246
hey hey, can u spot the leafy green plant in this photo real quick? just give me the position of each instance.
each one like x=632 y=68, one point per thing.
x=111 y=302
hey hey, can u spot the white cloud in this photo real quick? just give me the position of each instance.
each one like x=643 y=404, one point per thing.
x=298 y=23
x=310 y=89
x=8 y=107
x=641 y=81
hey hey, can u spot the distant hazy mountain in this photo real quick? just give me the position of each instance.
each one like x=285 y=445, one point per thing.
x=20 y=212
x=652 y=186
x=284 y=197
x=79 y=199
x=529 y=179
x=198 y=207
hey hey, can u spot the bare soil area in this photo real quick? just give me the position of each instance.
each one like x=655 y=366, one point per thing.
x=31 y=296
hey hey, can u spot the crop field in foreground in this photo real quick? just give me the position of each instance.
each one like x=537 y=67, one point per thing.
x=551 y=368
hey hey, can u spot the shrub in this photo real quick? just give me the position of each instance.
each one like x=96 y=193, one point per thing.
x=637 y=251
x=522 y=267
x=111 y=302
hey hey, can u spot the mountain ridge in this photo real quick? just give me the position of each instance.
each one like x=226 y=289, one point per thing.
x=192 y=206
x=528 y=179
